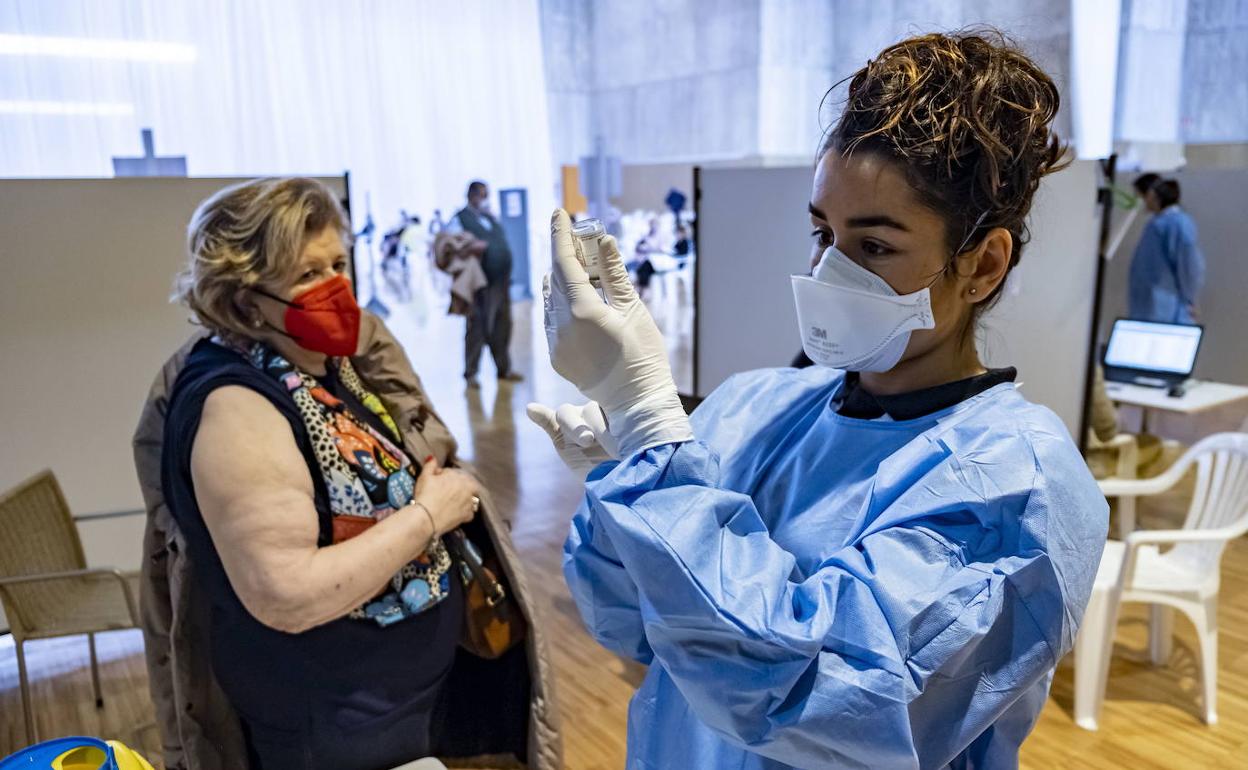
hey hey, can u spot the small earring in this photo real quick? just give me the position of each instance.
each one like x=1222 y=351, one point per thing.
x=257 y=322
x=973 y=290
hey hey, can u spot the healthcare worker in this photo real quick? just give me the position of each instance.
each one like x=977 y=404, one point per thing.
x=876 y=562
x=1168 y=269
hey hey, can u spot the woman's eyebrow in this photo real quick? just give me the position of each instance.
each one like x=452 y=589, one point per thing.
x=875 y=220
x=878 y=220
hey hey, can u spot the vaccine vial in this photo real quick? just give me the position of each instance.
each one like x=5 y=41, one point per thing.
x=585 y=235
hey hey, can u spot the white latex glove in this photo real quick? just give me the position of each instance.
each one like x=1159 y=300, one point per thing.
x=611 y=351
x=579 y=434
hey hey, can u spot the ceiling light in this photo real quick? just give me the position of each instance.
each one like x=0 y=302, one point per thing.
x=104 y=109
x=96 y=48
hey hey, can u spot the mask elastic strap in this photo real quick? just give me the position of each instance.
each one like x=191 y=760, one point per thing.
x=282 y=332
x=287 y=303
x=961 y=248
x=967 y=239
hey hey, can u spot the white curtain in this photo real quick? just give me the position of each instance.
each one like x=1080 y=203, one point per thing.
x=415 y=98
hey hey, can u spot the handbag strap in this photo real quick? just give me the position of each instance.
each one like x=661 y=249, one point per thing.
x=468 y=554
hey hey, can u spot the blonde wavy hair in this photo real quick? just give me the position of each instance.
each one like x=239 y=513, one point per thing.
x=246 y=235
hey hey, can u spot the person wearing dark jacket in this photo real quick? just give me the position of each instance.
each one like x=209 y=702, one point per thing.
x=489 y=322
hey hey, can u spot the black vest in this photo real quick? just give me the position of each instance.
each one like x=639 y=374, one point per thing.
x=280 y=680
x=496 y=262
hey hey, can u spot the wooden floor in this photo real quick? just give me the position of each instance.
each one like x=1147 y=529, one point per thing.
x=1151 y=717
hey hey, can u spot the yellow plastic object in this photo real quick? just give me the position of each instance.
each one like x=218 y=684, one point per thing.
x=81 y=758
x=95 y=758
x=127 y=758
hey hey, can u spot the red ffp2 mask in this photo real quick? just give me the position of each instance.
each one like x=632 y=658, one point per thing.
x=325 y=318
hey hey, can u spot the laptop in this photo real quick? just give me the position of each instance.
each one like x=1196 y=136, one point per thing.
x=1154 y=354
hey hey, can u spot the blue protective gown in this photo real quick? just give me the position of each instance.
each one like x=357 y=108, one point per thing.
x=814 y=591
x=1167 y=271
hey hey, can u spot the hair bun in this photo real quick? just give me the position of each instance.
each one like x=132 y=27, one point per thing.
x=969 y=115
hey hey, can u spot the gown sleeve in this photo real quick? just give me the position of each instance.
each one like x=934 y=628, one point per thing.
x=1188 y=262
x=953 y=601
x=604 y=592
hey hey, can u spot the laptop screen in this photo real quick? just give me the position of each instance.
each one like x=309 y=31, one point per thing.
x=1157 y=347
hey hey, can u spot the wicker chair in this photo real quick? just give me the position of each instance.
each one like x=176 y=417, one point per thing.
x=45 y=585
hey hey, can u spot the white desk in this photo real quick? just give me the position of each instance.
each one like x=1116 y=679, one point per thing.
x=1201 y=396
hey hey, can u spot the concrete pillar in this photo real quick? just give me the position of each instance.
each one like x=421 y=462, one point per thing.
x=566 y=41
x=795 y=71
x=700 y=80
x=677 y=81
x=1215 y=72
x=1150 y=79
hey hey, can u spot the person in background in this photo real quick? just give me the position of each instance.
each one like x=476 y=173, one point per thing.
x=1102 y=453
x=1168 y=269
x=1143 y=183
x=683 y=244
x=436 y=223
x=644 y=268
x=489 y=323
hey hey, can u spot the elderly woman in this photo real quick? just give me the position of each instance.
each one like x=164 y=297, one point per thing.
x=315 y=537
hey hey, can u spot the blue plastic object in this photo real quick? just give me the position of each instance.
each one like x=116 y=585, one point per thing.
x=42 y=756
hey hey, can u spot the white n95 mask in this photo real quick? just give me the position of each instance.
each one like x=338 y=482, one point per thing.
x=850 y=318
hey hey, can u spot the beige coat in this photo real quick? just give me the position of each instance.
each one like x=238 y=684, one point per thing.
x=459 y=255
x=199 y=729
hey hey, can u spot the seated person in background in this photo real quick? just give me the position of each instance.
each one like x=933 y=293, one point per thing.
x=683 y=244
x=642 y=266
x=1103 y=457
x=335 y=610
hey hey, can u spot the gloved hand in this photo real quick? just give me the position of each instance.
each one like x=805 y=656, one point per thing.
x=579 y=434
x=612 y=352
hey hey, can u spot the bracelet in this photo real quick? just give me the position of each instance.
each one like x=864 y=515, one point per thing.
x=433 y=526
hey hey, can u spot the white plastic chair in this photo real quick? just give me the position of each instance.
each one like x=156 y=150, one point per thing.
x=1184 y=577
x=428 y=763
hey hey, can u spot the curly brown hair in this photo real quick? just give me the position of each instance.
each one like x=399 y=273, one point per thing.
x=968 y=116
